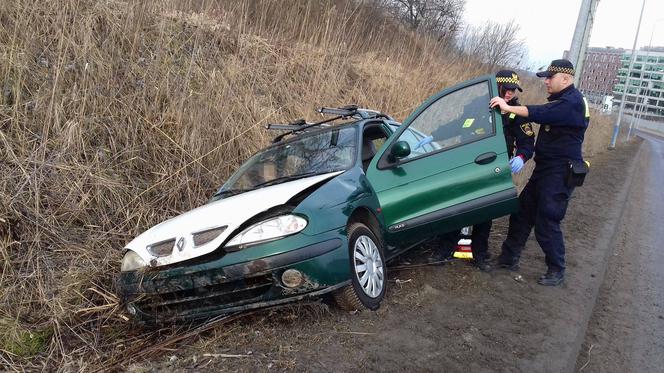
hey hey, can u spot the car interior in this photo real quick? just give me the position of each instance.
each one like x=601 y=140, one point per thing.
x=373 y=138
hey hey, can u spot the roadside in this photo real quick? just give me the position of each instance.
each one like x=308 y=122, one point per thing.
x=450 y=318
x=627 y=326
x=648 y=126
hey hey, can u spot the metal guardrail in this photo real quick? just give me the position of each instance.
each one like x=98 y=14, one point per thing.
x=650 y=125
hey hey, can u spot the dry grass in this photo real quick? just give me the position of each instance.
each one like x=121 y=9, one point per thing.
x=116 y=115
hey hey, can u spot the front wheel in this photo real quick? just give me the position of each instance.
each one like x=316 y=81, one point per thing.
x=367 y=268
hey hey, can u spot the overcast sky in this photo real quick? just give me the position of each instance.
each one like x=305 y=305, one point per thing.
x=547 y=26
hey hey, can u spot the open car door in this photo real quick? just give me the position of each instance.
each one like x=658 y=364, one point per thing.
x=446 y=166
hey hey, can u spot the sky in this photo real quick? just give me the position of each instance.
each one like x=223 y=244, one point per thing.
x=547 y=27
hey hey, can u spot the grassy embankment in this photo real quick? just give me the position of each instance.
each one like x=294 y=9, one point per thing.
x=117 y=115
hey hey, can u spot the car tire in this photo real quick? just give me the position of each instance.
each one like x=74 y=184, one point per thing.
x=367 y=271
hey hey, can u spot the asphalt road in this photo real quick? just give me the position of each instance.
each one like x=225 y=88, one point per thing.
x=626 y=329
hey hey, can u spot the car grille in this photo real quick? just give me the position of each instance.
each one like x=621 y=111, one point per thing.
x=188 y=303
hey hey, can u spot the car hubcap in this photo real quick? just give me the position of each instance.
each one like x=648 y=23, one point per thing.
x=368 y=266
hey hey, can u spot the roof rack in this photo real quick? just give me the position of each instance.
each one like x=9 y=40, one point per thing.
x=345 y=112
x=354 y=111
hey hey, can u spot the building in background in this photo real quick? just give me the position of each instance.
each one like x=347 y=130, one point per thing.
x=645 y=85
x=600 y=72
x=605 y=74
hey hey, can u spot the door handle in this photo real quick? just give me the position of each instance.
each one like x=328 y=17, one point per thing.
x=486 y=158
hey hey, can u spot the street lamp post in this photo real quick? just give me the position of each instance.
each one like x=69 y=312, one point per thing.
x=638 y=114
x=616 y=128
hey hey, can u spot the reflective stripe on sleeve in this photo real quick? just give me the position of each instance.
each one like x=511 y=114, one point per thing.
x=585 y=103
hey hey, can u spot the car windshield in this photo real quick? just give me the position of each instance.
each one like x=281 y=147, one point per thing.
x=323 y=152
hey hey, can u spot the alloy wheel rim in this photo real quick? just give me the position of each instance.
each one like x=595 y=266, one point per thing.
x=368 y=266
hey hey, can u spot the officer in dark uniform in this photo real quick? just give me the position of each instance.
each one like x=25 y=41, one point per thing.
x=465 y=127
x=520 y=139
x=543 y=202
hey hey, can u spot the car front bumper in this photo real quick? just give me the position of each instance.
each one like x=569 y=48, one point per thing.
x=201 y=291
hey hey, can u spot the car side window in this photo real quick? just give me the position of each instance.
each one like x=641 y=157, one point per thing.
x=373 y=138
x=457 y=118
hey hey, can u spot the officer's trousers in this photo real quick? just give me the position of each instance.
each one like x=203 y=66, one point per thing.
x=480 y=241
x=542 y=205
x=447 y=243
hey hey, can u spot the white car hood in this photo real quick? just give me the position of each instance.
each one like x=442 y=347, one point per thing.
x=231 y=212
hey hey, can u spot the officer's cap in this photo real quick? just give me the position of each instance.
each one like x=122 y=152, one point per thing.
x=508 y=79
x=557 y=66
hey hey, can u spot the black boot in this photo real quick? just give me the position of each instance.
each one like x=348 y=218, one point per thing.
x=509 y=264
x=552 y=278
x=440 y=258
x=483 y=265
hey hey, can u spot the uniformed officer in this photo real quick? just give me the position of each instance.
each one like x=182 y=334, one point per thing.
x=543 y=202
x=520 y=139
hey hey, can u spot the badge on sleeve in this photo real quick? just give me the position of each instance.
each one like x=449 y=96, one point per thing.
x=527 y=129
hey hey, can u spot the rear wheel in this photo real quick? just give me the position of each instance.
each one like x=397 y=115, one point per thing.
x=367 y=269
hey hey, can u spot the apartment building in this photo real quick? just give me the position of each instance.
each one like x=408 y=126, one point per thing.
x=645 y=84
x=600 y=72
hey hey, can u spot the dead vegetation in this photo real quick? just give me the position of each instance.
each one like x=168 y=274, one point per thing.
x=116 y=115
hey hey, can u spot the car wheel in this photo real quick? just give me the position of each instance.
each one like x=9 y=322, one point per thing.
x=367 y=271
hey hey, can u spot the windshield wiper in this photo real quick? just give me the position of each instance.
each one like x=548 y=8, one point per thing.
x=284 y=179
x=230 y=192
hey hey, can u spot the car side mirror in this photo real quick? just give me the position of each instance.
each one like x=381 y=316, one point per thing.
x=399 y=149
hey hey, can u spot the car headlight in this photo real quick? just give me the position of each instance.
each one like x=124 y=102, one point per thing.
x=267 y=230
x=132 y=262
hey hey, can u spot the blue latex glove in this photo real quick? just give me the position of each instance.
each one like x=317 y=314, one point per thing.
x=424 y=141
x=516 y=164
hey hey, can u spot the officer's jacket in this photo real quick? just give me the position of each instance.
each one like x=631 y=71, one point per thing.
x=519 y=134
x=563 y=123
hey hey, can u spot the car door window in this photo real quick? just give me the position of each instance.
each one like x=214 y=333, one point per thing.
x=373 y=138
x=458 y=118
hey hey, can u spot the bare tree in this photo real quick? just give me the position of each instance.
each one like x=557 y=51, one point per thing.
x=494 y=43
x=439 y=17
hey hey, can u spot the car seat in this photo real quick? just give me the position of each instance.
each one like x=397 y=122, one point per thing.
x=368 y=152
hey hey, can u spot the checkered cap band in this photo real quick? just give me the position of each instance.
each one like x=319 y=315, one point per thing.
x=507 y=80
x=556 y=69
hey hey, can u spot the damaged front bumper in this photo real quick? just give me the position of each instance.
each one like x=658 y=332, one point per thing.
x=200 y=291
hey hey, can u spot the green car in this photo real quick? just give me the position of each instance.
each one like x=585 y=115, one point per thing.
x=324 y=208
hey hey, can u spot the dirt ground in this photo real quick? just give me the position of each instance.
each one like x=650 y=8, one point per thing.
x=448 y=318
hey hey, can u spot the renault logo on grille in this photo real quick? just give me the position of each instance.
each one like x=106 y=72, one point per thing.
x=180 y=244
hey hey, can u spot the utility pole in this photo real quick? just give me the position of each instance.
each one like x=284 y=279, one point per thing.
x=639 y=114
x=584 y=24
x=616 y=128
x=644 y=102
